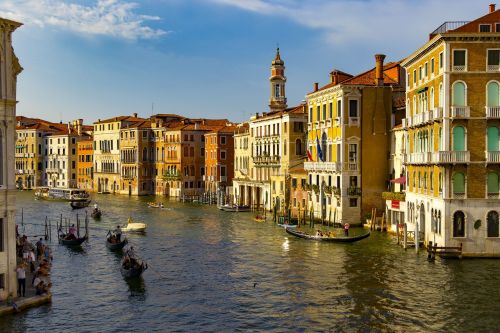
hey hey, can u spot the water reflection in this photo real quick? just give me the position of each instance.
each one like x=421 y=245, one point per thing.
x=215 y=271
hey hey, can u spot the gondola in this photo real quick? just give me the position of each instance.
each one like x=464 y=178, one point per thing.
x=133 y=267
x=234 y=208
x=115 y=246
x=71 y=242
x=284 y=225
x=96 y=214
x=79 y=204
x=342 y=239
x=155 y=205
x=259 y=218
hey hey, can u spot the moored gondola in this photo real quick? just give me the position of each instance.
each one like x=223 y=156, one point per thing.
x=342 y=239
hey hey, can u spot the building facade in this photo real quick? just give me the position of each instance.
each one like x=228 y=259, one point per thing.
x=29 y=155
x=219 y=159
x=453 y=122
x=85 y=164
x=10 y=69
x=349 y=123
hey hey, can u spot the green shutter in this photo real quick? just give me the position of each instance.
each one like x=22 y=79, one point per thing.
x=459 y=183
x=459 y=94
x=492 y=182
x=458 y=138
x=493 y=94
x=493 y=138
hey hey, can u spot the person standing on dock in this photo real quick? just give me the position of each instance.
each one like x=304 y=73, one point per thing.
x=21 y=280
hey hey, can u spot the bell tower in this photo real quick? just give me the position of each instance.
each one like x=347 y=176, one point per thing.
x=277 y=101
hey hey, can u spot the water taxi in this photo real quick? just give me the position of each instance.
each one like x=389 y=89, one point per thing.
x=65 y=194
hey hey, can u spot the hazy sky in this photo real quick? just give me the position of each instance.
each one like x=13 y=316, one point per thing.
x=203 y=58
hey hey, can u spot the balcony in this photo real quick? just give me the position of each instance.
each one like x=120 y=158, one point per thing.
x=460 y=111
x=493 y=112
x=354 y=191
x=493 y=157
x=53 y=170
x=444 y=157
x=459 y=68
x=436 y=114
x=353 y=121
x=493 y=68
x=419 y=158
x=323 y=166
x=266 y=160
x=328 y=123
x=223 y=178
x=19 y=171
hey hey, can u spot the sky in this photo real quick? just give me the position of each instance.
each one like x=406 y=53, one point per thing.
x=96 y=59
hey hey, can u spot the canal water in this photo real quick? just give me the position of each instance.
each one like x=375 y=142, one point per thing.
x=212 y=271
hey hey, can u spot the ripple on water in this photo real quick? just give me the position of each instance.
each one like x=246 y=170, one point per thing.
x=212 y=271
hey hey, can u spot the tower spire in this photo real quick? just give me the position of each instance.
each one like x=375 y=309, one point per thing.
x=277 y=101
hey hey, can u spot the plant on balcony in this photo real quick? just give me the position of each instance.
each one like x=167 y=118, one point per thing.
x=307 y=187
x=336 y=191
x=394 y=196
x=354 y=191
x=327 y=189
x=171 y=176
x=315 y=188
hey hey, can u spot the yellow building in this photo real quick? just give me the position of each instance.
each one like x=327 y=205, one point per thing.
x=453 y=122
x=349 y=123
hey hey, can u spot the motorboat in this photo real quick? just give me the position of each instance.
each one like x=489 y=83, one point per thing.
x=134 y=226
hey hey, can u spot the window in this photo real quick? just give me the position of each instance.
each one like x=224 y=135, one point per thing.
x=324 y=111
x=493 y=139
x=493 y=184
x=223 y=140
x=497 y=27
x=310 y=117
x=223 y=171
x=459 y=94
x=426 y=70
x=431 y=180
x=485 y=28
x=432 y=66
x=458 y=138
x=459 y=224
x=492 y=224
x=414 y=76
x=298 y=147
x=2 y=281
x=353 y=202
x=493 y=60
x=459 y=184
x=339 y=108
x=493 y=94
x=353 y=153
x=317 y=112
x=331 y=109
x=223 y=155
x=441 y=60
x=277 y=90
x=459 y=60
x=353 y=108
x=420 y=73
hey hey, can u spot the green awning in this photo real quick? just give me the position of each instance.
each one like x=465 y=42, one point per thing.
x=421 y=90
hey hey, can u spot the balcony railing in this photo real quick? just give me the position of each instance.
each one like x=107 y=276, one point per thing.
x=451 y=157
x=493 y=68
x=493 y=112
x=493 y=157
x=354 y=191
x=223 y=178
x=419 y=158
x=460 y=111
x=353 y=121
x=436 y=114
x=266 y=160
x=459 y=68
x=323 y=166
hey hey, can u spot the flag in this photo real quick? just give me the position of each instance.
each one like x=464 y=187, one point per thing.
x=318 y=148
x=309 y=155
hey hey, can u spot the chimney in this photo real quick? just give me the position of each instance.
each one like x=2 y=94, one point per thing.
x=135 y=115
x=379 y=69
x=334 y=77
x=316 y=86
x=492 y=7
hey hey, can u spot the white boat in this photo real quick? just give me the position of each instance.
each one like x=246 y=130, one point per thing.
x=134 y=226
x=65 y=194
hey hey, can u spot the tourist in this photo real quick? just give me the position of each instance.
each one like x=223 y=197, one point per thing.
x=72 y=230
x=39 y=248
x=21 y=280
x=47 y=254
x=346 y=229
x=118 y=233
x=42 y=288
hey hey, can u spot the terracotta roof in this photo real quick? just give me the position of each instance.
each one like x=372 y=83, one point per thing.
x=368 y=78
x=473 y=26
x=138 y=124
x=119 y=118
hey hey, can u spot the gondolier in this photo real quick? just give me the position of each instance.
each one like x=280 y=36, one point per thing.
x=346 y=229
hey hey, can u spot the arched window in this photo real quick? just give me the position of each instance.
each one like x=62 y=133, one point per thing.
x=441 y=95
x=298 y=147
x=459 y=224
x=431 y=96
x=493 y=94
x=458 y=138
x=459 y=94
x=425 y=180
x=492 y=224
x=414 y=105
x=493 y=184
x=493 y=138
x=144 y=154
x=324 y=146
x=440 y=139
x=459 y=184
x=431 y=180
x=277 y=90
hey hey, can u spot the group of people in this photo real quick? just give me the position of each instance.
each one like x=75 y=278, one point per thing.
x=115 y=236
x=130 y=259
x=320 y=233
x=29 y=255
x=72 y=233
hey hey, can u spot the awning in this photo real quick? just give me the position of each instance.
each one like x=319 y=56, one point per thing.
x=421 y=90
x=400 y=180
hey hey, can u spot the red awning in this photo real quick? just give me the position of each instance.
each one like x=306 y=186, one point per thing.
x=400 y=180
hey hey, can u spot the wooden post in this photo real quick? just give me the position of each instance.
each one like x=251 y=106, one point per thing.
x=382 y=222
x=417 y=241
x=405 y=236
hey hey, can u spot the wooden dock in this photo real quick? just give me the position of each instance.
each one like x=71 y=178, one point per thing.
x=454 y=252
x=20 y=305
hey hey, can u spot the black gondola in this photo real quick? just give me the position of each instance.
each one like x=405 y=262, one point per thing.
x=132 y=267
x=342 y=239
x=96 y=214
x=115 y=246
x=79 y=204
x=71 y=242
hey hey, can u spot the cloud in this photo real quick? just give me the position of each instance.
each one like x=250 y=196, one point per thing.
x=371 y=21
x=114 y=18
